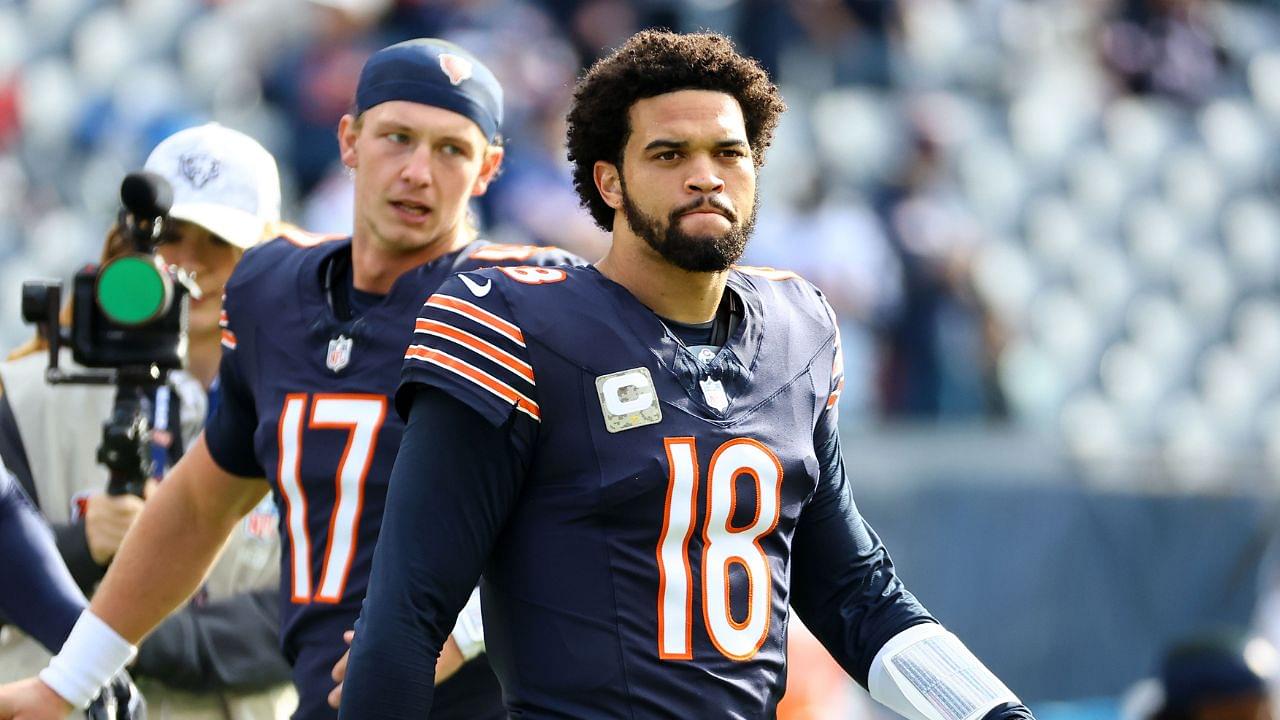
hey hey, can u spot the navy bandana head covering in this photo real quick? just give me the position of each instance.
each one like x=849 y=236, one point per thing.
x=433 y=72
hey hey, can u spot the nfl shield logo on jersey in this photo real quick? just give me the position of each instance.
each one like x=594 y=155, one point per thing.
x=339 y=355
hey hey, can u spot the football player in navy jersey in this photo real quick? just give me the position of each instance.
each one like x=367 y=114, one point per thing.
x=314 y=334
x=642 y=457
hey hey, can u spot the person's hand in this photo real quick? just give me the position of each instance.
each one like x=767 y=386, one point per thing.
x=31 y=699
x=339 y=672
x=106 y=520
x=450 y=660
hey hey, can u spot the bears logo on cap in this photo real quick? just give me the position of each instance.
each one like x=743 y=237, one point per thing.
x=199 y=168
x=456 y=67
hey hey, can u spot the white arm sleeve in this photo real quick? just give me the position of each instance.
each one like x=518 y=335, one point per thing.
x=468 y=631
x=926 y=673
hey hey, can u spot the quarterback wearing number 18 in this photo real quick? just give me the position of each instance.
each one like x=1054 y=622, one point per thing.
x=641 y=457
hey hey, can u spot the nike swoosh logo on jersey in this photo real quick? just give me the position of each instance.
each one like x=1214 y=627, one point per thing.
x=476 y=288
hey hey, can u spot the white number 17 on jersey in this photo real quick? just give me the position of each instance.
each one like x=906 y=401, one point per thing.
x=361 y=416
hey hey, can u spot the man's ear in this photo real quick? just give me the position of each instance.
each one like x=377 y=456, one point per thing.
x=608 y=178
x=348 y=131
x=489 y=168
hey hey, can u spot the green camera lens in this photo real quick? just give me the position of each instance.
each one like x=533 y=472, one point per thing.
x=132 y=290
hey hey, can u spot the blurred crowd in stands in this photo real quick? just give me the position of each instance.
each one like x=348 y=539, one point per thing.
x=1058 y=213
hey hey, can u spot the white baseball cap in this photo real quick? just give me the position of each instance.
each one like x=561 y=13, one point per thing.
x=223 y=181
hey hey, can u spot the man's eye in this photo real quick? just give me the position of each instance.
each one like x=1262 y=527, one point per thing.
x=398 y=138
x=668 y=155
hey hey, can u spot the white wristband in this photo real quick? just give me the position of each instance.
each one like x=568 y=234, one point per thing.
x=468 y=632
x=91 y=656
x=926 y=673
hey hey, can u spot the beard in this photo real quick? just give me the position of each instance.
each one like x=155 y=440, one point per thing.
x=693 y=253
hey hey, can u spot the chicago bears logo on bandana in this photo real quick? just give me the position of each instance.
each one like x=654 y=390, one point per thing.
x=456 y=67
x=199 y=168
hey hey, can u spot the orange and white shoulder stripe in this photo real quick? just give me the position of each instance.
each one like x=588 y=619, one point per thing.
x=464 y=339
x=478 y=345
x=475 y=376
x=228 y=337
x=474 y=312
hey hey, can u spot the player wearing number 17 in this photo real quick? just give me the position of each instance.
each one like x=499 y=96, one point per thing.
x=642 y=456
x=315 y=332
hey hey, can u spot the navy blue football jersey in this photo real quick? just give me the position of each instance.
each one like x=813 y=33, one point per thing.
x=306 y=404
x=675 y=502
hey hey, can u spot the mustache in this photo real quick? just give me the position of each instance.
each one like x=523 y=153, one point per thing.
x=714 y=203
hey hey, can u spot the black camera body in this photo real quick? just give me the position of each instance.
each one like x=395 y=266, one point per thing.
x=99 y=342
x=129 y=316
x=128 y=324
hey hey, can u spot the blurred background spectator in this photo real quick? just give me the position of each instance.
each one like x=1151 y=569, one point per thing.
x=1211 y=675
x=1049 y=227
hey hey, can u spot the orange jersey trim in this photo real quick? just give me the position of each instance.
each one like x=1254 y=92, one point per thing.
x=476 y=376
x=478 y=314
x=478 y=345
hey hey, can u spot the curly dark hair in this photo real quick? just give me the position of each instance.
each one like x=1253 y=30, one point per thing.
x=651 y=63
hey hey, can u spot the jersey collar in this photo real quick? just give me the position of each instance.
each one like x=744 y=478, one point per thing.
x=734 y=364
x=410 y=290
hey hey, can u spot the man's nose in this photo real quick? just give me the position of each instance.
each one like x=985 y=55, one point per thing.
x=703 y=177
x=417 y=170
